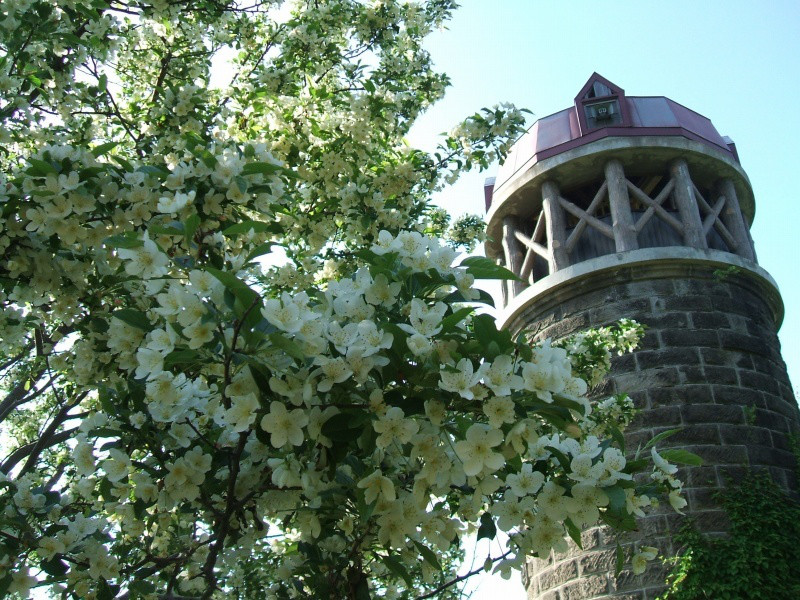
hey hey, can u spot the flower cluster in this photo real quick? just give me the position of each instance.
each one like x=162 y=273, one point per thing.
x=232 y=364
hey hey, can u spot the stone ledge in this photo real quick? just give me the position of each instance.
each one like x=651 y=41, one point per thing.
x=643 y=264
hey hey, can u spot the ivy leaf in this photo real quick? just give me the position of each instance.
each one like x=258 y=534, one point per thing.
x=481 y=267
x=487 y=528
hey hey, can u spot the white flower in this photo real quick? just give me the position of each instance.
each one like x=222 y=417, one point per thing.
x=375 y=485
x=199 y=333
x=49 y=547
x=283 y=314
x=151 y=363
x=640 y=558
x=677 y=501
x=334 y=370
x=554 y=504
x=381 y=292
x=175 y=204
x=460 y=381
x=242 y=412
x=499 y=411
x=148 y=261
x=394 y=426
x=83 y=457
x=526 y=482
x=476 y=452
x=661 y=464
x=499 y=376
x=116 y=466
x=419 y=344
x=284 y=426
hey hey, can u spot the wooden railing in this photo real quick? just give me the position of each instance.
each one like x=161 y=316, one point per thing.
x=679 y=214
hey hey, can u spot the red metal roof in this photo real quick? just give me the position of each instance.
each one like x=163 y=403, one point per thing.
x=644 y=116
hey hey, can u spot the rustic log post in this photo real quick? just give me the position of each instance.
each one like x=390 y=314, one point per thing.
x=693 y=235
x=732 y=219
x=504 y=283
x=620 y=203
x=556 y=227
x=513 y=253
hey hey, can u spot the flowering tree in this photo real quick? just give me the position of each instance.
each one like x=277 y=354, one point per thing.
x=183 y=418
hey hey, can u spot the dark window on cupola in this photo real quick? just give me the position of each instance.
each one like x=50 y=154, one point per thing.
x=603 y=113
x=600 y=104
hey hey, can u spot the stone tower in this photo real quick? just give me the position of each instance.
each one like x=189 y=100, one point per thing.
x=624 y=206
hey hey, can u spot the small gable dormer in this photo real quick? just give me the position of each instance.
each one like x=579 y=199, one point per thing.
x=600 y=104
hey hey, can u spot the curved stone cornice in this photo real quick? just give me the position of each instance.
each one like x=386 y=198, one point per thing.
x=642 y=264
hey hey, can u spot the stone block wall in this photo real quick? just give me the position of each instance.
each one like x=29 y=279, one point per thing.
x=710 y=364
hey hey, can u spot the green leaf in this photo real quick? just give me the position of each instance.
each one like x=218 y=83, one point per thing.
x=291 y=347
x=451 y=321
x=54 y=567
x=487 y=527
x=616 y=435
x=561 y=457
x=260 y=250
x=133 y=317
x=260 y=167
x=484 y=297
x=190 y=227
x=682 y=457
x=620 y=561
x=40 y=167
x=342 y=427
x=180 y=357
x=481 y=267
x=140 y=588
x=123 y=163
x=662 y=436
x=103 y=148
x=429 y=555
x=125 y=240
x=617 y=499
x=396 y=567
x=247 y=226
x=563 y=401
x=574 y=533
x=486 y=330
x=237 y=287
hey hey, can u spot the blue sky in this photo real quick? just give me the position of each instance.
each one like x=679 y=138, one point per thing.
x=736 y=62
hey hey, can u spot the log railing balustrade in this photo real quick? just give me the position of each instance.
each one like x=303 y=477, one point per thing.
x=621 y=217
